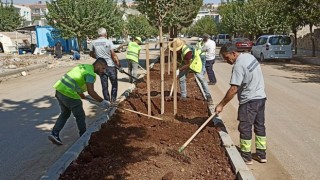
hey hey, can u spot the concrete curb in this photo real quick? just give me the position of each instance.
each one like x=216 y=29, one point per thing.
x=18 y=71
x=74 y=151
x=238 y=165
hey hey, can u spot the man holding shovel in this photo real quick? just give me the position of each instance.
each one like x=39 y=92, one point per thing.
x=104 y=48
x=69 y=92
x=189 y=60
x=247 y=80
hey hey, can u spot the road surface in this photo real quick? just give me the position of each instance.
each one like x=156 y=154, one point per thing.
x=292 y=118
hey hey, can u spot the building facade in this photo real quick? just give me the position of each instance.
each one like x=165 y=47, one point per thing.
x=24 y=11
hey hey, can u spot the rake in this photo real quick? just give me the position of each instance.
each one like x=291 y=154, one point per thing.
x=178 y=154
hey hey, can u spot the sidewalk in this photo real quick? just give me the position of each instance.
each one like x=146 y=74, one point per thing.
x=305 y=56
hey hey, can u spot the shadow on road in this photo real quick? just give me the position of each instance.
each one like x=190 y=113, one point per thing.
x=306 y=73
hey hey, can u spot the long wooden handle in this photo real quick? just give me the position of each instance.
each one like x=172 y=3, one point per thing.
x=171 y=89
x=140 y=113
x=196 y=133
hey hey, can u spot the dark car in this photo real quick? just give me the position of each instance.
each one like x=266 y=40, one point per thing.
x=117 y=44
x=243 y=44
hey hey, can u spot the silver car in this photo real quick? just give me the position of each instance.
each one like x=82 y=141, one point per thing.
x=272 y=47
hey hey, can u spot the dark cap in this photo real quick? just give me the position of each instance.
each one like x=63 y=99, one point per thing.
x=205 y=35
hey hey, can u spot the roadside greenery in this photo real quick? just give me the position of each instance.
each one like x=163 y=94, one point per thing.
x=257 y=17
x=9 y=18
x=81 y=18
x=169 y=15
x=139 y=26
x=204 y=25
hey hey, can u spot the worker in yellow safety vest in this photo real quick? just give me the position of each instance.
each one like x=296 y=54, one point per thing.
x=199 y=47
x=189 y=59
x=133 y=53
x=69 y=92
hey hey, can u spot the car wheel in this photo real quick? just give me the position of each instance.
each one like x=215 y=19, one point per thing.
x=262 y=57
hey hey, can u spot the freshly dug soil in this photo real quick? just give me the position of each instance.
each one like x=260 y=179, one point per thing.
x=131 y=146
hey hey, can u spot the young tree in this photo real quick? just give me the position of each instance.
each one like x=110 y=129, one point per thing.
x=204 y=25
x=182 y=15
x=81 y=18
x=9 y=17
x=139 y=26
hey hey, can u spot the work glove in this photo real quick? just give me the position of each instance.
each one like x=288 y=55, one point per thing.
x=104 y=104
x=121 y=69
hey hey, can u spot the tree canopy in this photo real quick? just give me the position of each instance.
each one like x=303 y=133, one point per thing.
x=82 y=18
x=139 y=26
x=9 y=17
x=204 y=25
x=169 y=13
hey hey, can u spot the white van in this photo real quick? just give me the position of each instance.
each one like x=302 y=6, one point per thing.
x=222 y=39
x=272 y=47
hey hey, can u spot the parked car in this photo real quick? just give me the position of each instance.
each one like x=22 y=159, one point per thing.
x=222 y=39
x=273 y=47
x=151 y=39
x=243 y=44
x=117 y=44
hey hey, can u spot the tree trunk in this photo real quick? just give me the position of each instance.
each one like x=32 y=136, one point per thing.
x=312 y=40
x=295 y=42
x=79 y=44
x=162 y=67
x=173 y=32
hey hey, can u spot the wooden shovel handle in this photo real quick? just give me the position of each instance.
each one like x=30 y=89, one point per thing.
x=196 y=133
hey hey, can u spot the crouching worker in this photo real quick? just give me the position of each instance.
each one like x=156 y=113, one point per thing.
x=189 y=60
x=69 y=92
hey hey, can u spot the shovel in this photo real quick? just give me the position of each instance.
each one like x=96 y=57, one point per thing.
x=127 y=74
x=91 y=100
x=178 y=154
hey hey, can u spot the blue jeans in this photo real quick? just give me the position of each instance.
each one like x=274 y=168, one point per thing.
x=112 y=74
x=204 y=85
x=183 y=86
x=132 y=70
x=68 y=105
x=203 y=60
x=182 y=80
x=210 y=72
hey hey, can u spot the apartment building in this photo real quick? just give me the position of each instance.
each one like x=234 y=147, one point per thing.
x=38 y=10
x=24 y=11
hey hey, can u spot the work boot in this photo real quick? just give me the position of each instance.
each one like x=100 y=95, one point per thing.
x=54 y=138
x=247 y=161
x=259 y=158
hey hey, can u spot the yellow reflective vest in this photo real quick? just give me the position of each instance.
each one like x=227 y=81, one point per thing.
x=133 y=52
x=196 y=64
x=199 y=46
x=74 y=82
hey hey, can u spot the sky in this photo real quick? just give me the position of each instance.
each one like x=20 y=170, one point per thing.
x=36 y=1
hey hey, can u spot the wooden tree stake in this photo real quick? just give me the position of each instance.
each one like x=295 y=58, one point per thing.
x=148 y=78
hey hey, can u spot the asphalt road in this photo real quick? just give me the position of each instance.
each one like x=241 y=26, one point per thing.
x=28 y=111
